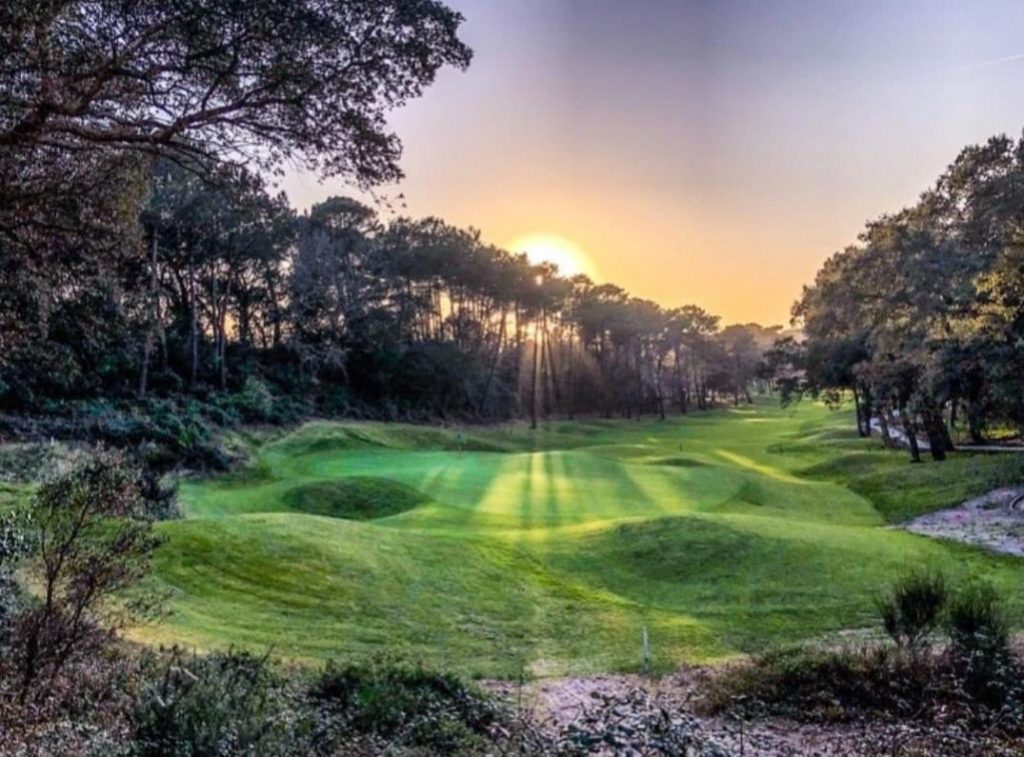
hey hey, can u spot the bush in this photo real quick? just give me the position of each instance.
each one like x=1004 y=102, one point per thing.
x=90 y=543
x=977 y=684
x=813 y=684
x=402 y=706
x=980 y=641
x=912 y=609
x=977 y=621
x=221 y=704
x=14 y=544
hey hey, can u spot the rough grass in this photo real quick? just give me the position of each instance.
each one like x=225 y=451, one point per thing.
x=901 y=492
x=549 y=551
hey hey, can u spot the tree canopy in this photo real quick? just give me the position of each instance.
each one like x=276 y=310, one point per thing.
x=921 y=320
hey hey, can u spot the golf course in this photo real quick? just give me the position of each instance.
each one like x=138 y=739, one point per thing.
x=503 y=551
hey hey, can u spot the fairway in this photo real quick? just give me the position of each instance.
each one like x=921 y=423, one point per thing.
x=501 y=551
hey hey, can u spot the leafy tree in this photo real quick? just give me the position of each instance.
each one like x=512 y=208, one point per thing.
x=91 y=542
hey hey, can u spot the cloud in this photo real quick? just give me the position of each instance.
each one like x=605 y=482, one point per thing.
x=993 y=62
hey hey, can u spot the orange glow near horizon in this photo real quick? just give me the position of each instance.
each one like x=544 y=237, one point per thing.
x=550 y=248
x=700 y=153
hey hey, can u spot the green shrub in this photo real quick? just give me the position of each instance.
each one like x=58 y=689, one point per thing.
x=977 y=621
x=92 y=544
x=979 y=634
x=817 y=684
x=221 y=704
x=14 y=544
x=403 y=706
x=254 y=403
x=977 y=684
x=912 y=608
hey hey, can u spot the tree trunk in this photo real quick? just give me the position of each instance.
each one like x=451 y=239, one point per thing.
x=867 y=402
x=494 y=365
x=910 y=430
x=939 y=441
x=154 y=314
x=571 y=378
x=658 y=387
x=859 y=413
x=193 y=320
x=534 y=396
x=975 y=423
x=883 y=423
x=552 y=370
x=222 y=327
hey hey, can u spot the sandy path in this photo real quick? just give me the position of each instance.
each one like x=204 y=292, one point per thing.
x=994 y=520
x=560 y=702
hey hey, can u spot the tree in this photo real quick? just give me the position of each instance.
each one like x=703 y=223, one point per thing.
x=91 y=542
x=919 y=319
x=263 y=82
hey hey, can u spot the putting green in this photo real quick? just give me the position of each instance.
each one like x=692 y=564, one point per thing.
x=496 y=551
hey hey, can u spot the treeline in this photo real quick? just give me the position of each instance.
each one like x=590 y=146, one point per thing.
x=220 y=286
x=922 y=321
x=143 y=257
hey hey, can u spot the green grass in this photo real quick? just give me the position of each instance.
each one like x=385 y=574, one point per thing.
x=549 y=551
x=355 y=498
x=900 y=491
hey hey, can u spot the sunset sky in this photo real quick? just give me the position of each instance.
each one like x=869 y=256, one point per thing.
x=710 y=152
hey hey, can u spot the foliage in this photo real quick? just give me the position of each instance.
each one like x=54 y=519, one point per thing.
x=139 y=258
x=221 y=704
x=920 y=322
x=817 y=684
x=977 y=621
x=221 y=296
x=913 y=608
x=975 y=682
x=14 y=544
x=398 y=705
x=91 y=541
x=979 y=633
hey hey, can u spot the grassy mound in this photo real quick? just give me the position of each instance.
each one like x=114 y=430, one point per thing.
x=555 y=554
x=355 y=498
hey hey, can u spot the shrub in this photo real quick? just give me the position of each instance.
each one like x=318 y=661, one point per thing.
x=14 y=544
x=91 y=542
x=977 y=621
x=255 y=402
x=159 y=496
x=221 y=704
x=813 y=684
x=912 y=609
x=980 y=641
x=403 y=706
x=978 y=684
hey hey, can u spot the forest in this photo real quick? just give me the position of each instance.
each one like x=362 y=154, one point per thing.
x=217 y=286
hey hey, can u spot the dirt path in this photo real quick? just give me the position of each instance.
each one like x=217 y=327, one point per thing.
x=994 y=520
x=629 y=700
x=898 y=436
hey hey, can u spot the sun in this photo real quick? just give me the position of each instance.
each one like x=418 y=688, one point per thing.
x=550 y=248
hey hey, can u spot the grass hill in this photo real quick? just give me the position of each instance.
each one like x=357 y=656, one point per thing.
x=492 y=552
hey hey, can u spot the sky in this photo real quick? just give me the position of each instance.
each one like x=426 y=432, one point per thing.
x=712 y=152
